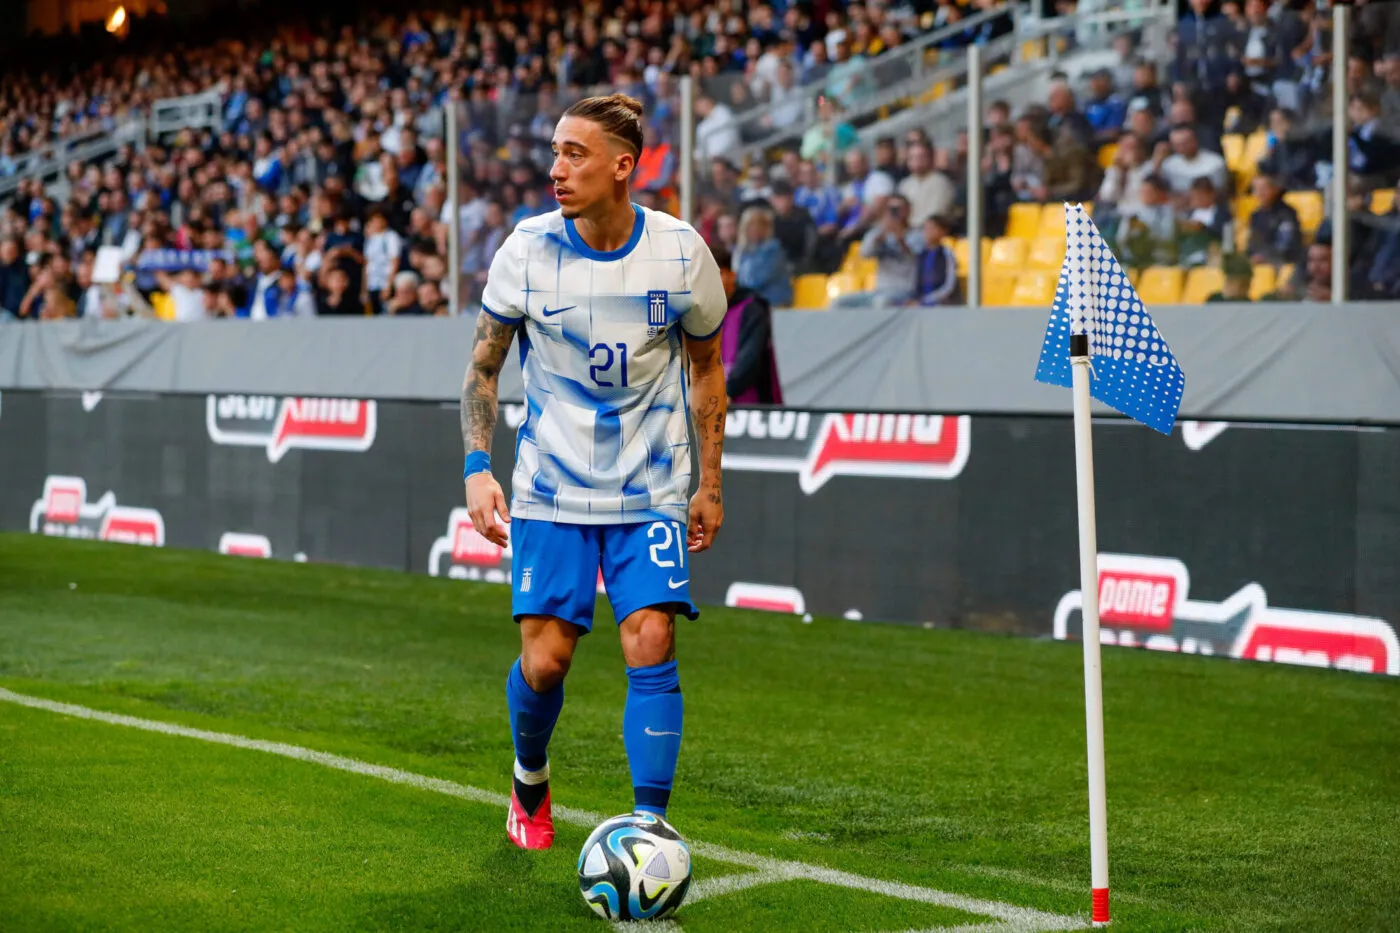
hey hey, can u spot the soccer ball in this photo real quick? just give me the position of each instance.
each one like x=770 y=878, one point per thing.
x=634 y=867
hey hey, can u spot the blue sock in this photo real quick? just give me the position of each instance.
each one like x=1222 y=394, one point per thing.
x=651 y=730
x=532 y=718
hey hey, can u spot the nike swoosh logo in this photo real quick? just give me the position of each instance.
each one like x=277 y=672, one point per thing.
x=648 y=731
x=677 y=584
x=533 y=735
x=548 y=313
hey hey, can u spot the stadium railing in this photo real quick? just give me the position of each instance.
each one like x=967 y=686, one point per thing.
x=169 y=115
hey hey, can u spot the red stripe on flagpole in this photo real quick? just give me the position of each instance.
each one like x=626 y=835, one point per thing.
x=1100 y=905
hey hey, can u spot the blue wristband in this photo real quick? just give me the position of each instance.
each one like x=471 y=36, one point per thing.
x=478 y=461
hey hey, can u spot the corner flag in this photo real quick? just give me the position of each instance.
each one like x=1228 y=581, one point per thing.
x=1101 y=341
x=1134 y=371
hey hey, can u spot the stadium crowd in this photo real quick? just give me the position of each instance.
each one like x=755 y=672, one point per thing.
x=324 y=188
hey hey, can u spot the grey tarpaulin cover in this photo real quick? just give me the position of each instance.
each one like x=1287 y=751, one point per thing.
x=1257 y=362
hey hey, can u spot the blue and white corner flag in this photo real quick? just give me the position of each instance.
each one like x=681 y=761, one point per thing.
x=1133 y=368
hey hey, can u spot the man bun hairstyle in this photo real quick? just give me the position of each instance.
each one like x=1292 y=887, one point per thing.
x=619 y=116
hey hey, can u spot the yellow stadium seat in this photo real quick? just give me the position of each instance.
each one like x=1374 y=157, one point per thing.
x=1046 y=253
x=1107 y=153
x=860 y=267
x=1308 y=204
x=960 y=253
x=1032 y=49
x=1201 y=283
x=1382 y=201
x=1233 y=144
x=1285 y=275
x=809 y=291
x=997 y=288
x=1134 y=276
x=1160 y=285
x=1263 y=282
x=163 y=305
x=1008 y=253
x=852 y=254
x=1245 y=205
x=843 y=283
x=1034 y=289
x=1052 y=221
x=1023 y=220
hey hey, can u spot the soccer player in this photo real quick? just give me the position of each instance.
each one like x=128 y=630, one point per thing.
x=607 y=300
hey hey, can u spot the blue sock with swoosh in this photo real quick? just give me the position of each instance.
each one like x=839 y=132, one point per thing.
x=651 y=731
x=532 y=719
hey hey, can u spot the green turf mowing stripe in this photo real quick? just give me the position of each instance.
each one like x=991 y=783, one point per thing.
x=1013 y=919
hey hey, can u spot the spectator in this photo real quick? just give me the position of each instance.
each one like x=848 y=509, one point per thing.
x=1064 y=113
x=14 y=276
x=1382 y=275
x=863 y=196
x=746 y=341
x=1201 y=46
x=759 y=260
x=1389 y=69
x=186 y=293
x=717 y=130
x=403 y=301
x=1238 y=276
x=1120 y=193
x=290 y=297
x=896 y=249
x=823 y=203
x=336 y=297
x=998 y=192
x=937 y=277
x=1373 y=154
x=1275 y=237
x=794 y=229
x=830 y=133
x=1188 y=161
x=1105 y=111
x=383 y=249
x=430 y=298
x=886 y=156
x=1202 y=228
x=928 y=192
x=269 y=270
x=1147 y=235
x=1183 y=114
x=1071 y=171
x=1260 y=47
x=1290 y=159
x=480 y=248
x=1317 y=285
x=1147 y=94
x=1028 y=161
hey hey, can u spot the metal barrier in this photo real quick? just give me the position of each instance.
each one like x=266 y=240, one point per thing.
x=169 y=115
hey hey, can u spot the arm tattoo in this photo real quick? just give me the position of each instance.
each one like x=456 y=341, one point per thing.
x=490 y=345
x=709 y=404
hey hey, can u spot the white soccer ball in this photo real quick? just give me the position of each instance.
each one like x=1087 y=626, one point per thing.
x=634 y=867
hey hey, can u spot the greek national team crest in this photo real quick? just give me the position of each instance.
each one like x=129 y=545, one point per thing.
x=658 y=301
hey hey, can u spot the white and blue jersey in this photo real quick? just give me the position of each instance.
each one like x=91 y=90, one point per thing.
x=606 y=437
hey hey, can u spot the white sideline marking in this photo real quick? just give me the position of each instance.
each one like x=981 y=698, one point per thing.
x=728 y=884
x=1013 y=919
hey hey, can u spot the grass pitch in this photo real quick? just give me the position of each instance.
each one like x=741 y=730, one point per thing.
x=1242 y=796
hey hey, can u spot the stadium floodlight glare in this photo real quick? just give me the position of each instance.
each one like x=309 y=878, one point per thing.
x=1101 y=342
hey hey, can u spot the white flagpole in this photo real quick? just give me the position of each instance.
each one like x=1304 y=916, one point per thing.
x=1089 y=587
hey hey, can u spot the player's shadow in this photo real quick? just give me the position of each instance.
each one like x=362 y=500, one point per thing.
x=509 y=889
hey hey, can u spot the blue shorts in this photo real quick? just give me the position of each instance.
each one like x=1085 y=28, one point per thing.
x=554 y=569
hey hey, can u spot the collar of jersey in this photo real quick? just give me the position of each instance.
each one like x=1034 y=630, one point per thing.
x=589 y=252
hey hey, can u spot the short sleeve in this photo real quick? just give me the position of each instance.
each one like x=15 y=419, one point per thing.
x=501 y=298
x=708 y=303
x=878 y=185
